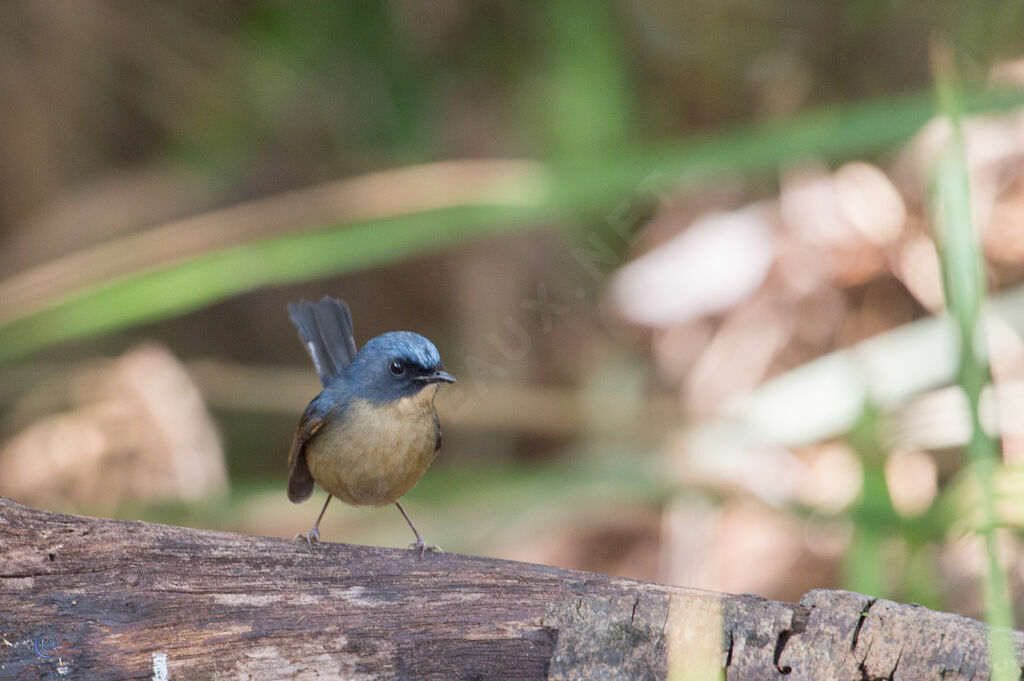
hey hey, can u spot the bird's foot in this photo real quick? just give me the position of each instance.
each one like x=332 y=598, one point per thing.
x=424 y=547
x=312 y=537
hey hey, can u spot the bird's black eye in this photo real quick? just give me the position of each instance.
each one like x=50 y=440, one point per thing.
x=397 y=368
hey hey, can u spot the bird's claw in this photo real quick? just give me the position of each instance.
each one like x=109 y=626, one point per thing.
x=424 y=547
x=312 y=537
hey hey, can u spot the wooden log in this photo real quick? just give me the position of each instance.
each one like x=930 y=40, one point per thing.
x=90 y=598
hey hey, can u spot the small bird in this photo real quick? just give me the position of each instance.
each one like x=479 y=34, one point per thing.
x=369 y=436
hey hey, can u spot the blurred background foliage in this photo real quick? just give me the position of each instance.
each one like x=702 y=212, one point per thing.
x=681 y=256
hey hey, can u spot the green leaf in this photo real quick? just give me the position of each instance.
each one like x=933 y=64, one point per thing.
x=964 y=283
x=571 y=189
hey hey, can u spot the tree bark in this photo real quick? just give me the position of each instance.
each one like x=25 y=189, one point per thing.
x=89 y=598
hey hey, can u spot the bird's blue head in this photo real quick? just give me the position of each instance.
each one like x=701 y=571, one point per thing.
x=394 y=365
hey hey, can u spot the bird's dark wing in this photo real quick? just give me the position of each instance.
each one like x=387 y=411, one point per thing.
x=300 y=481
x=325 y=328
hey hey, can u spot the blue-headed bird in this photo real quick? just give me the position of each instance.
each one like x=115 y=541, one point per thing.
x=373 y=430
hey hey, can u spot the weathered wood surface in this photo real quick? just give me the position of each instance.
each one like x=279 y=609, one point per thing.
x=88 y=598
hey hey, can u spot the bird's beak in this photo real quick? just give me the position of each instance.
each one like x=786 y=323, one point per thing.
x=437 y=376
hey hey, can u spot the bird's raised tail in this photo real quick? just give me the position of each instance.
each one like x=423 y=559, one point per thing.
x=325 y=328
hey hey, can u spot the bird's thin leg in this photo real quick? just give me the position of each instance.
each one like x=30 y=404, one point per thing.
x=419 y=543
x=313 y=536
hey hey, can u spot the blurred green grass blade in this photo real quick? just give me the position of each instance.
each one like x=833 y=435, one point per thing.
x=964 y=285
x=830 y=133
x=163 y=292
x=587 y=103
x=865 y=567
x=585 y=187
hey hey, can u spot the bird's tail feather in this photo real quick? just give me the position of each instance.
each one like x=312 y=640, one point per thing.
x=325 y=328
x=300 y=483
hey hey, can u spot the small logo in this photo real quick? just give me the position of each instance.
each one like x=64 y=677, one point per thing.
x=50 y=647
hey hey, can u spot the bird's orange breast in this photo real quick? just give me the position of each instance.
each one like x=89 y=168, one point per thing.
x=375 y=453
